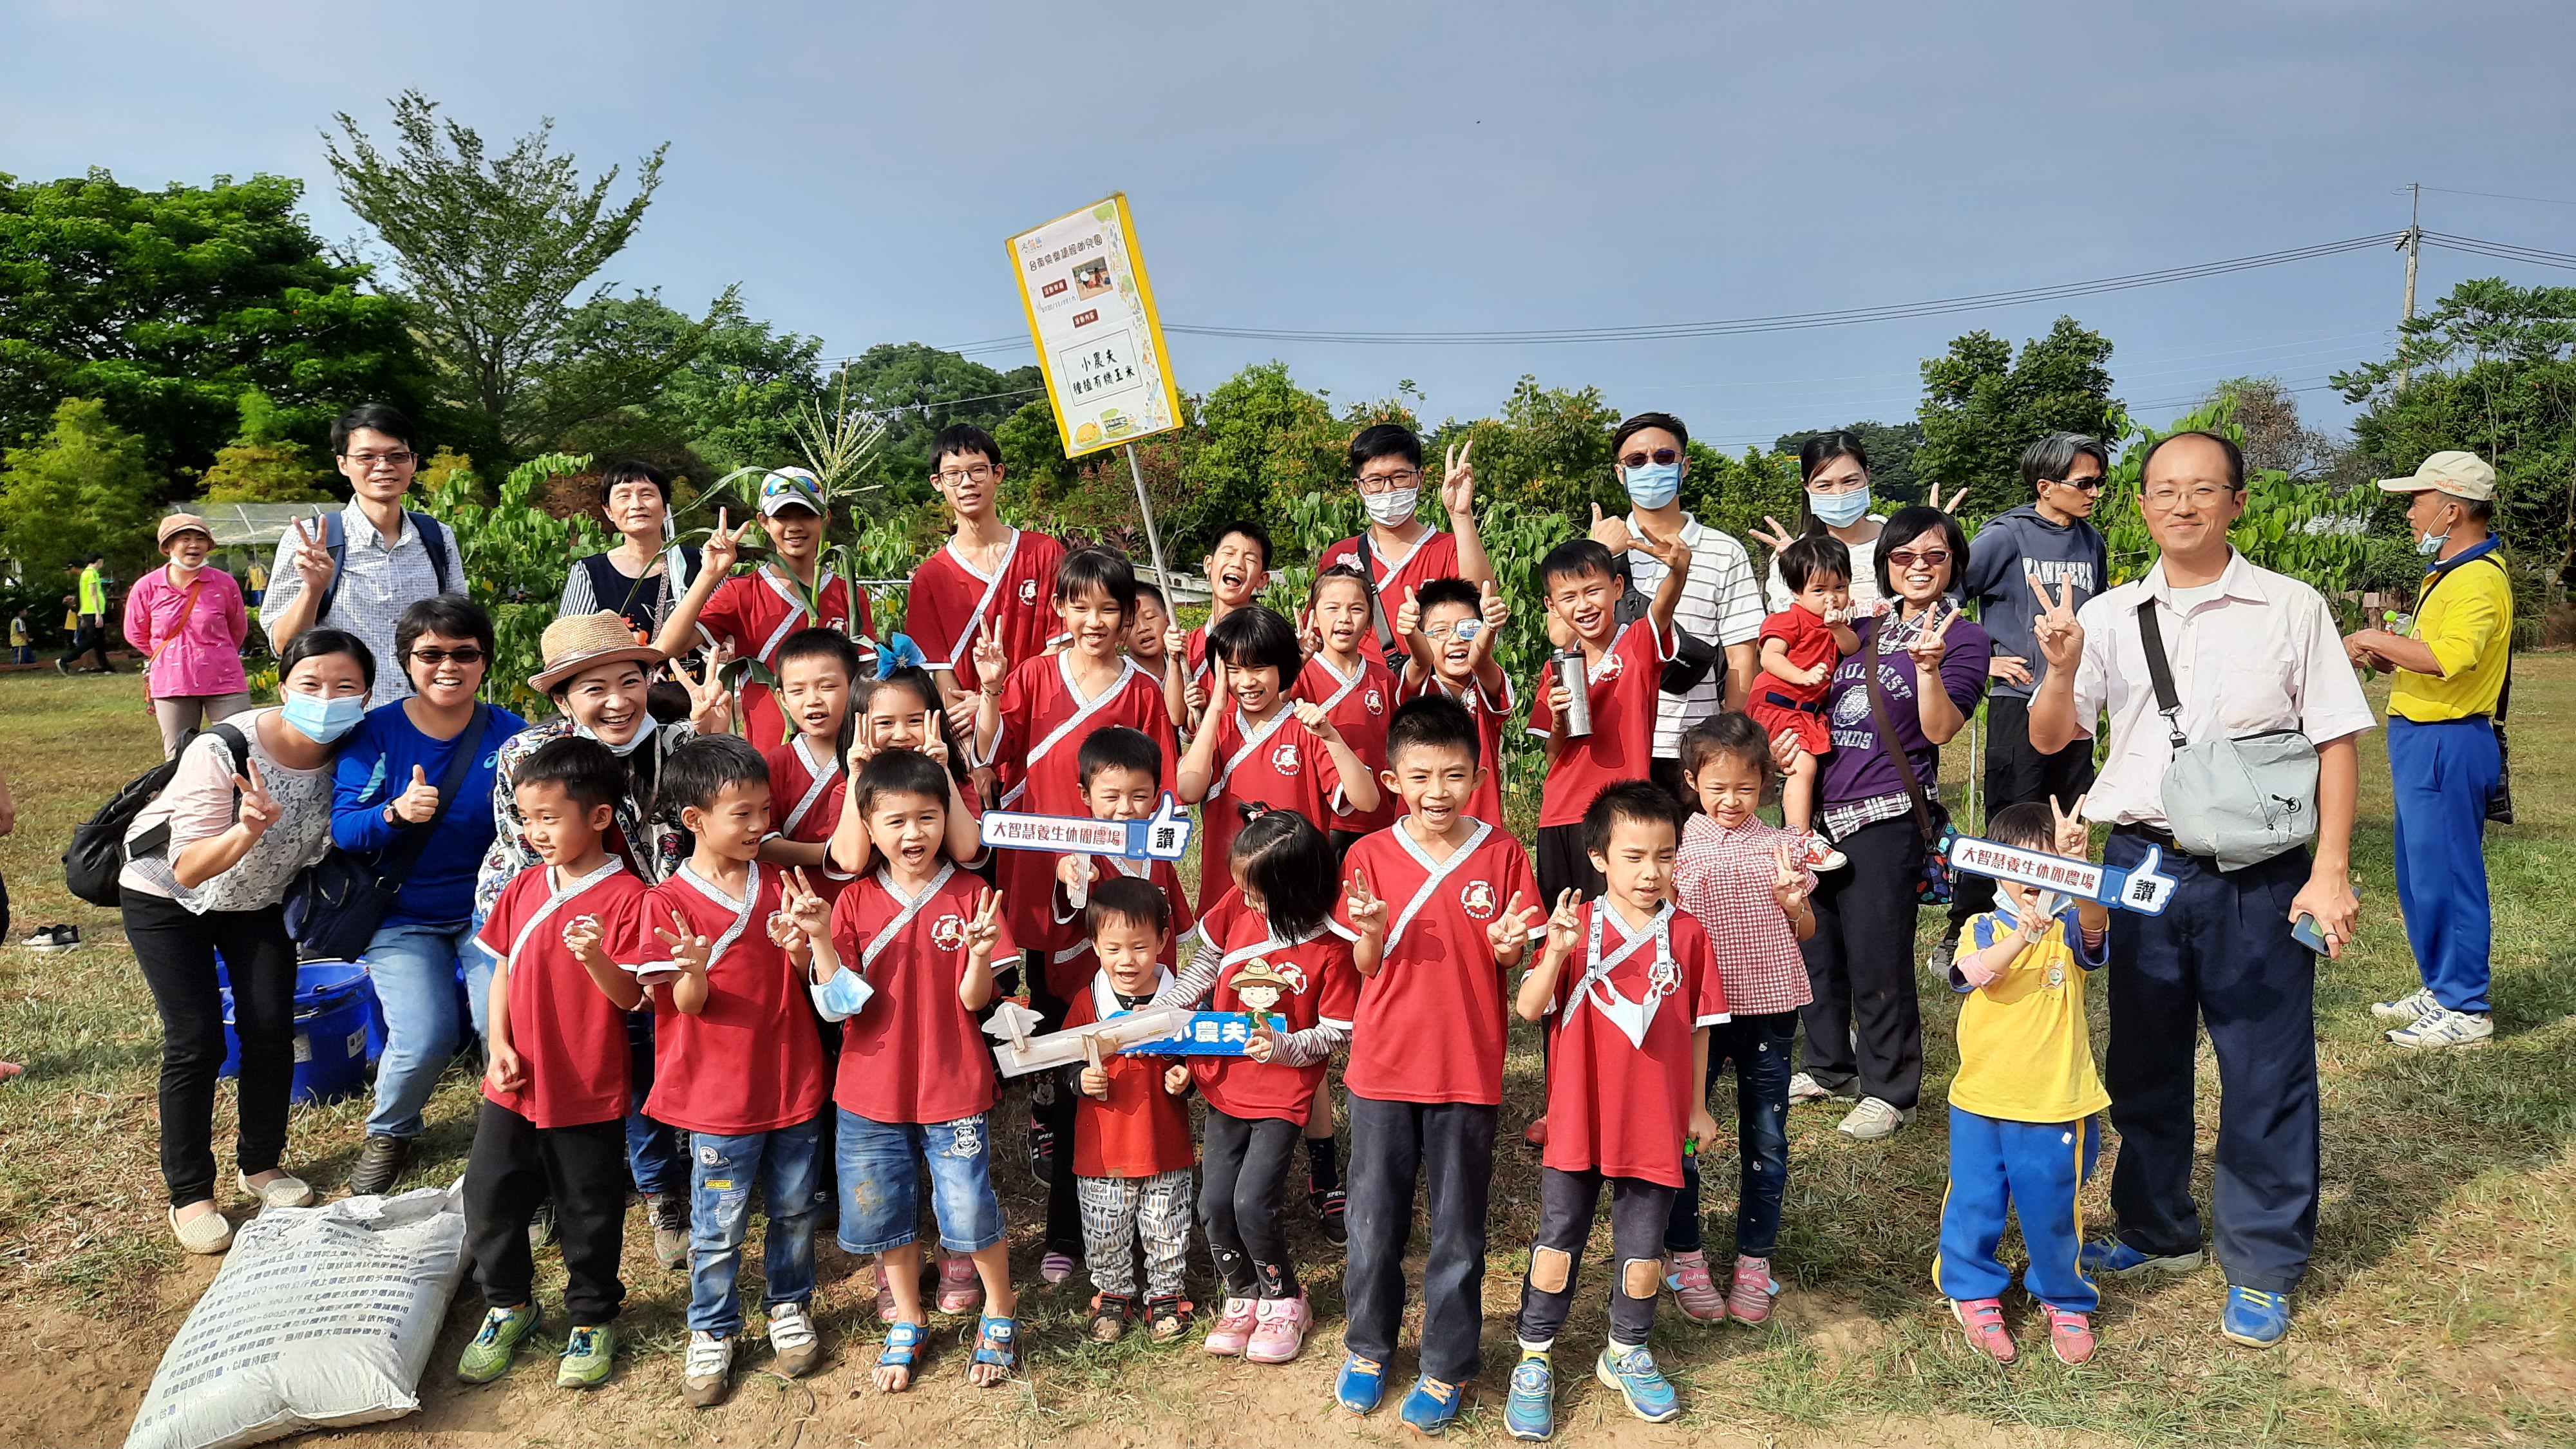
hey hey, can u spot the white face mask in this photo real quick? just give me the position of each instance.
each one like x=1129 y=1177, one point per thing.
x=643 y=732
x=1391 y=507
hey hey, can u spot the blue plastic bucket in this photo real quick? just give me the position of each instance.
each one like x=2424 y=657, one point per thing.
x=336 y=1025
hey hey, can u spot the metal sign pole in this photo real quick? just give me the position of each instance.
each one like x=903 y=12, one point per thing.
x=1153 y=540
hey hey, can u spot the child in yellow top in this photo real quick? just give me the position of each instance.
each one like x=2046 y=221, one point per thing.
x=2023 y=1135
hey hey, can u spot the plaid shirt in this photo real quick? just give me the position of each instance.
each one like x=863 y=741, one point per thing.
x=1724 y=878
x=378 y=580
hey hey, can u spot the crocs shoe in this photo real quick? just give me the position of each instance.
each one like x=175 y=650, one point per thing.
x=1748 y=1297
x=1233 y=1327
x=588 y=1356
x=1693 y=1293
x=961 y=1289
x=1431 y=1407
x=707 y=1374
x=2254 y=1318
x=793 y=1340
x=1279 y=1330
x=2410 y=1007
x=1361 y=1385
x=1983 y=1321
x=1633 y=1373
x=2112 y=1258
x=2070 y=1336
x=496 y=1343
x=1530 y=1410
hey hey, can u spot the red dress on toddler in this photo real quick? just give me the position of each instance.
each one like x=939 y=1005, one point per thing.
x=1779 y=705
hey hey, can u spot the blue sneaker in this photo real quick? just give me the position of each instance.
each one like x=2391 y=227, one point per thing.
x=1361 y=1385
x=1530 y=1412
x=1649 y=1394
x=1431 y=1406
x=2111 y=1258
x=2255 y=1318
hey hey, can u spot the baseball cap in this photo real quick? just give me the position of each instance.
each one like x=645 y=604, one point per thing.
x=784 y=488
x=2462 y=475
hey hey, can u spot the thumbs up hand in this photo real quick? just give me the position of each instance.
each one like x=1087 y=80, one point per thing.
x=419 y=804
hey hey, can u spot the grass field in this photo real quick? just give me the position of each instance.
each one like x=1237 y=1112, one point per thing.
x=2437 y=1311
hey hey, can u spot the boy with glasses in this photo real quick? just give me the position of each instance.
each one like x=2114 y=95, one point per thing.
x=988 y=573
x=1399 y=552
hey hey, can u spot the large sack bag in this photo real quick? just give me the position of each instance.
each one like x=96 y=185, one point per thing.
x=321 y=1317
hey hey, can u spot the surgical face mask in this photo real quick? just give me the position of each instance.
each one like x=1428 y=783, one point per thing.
x=1837 y=510
x=2431 y=543
x=1391 y=507
x=1654 y=485
x=643 y=732
x=321 y=720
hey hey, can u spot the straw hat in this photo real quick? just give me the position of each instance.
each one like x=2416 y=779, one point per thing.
x=577 y=642
x=179 y=523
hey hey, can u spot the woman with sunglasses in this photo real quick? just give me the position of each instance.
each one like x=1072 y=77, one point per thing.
x=386 y=786
x=1864 y=1028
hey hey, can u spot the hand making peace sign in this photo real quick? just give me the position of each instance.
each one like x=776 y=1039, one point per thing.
x=1789 y=888
x=258 y=809
x=312 y=559
x=723 y=546
x=2068 y=833
x=710 y=702
x=1774 y=537
x=689 y=950
x=2060 y=637
x=984 y=930
x=1366 y=910
x=1565 y=925
x=1510 y=930
x=992 y=664
x=1458 y=483
x=1931 y=642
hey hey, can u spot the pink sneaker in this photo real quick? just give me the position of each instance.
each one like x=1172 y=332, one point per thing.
x=1748 y=1298
x=1983 y=1318
x=960 y=1290
x=1280 y=1330
x=1696 y=1296
x=1233 y=1327
x=2070 y=1336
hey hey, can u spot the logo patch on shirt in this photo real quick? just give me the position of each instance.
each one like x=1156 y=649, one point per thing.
x=1375 y=699
x=948 y=933
x=1028 y=591
x=1476 y=898
x=1284 y=758
x=1613 y=664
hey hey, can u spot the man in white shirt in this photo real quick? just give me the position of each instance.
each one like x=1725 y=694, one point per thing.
x=2251 y=651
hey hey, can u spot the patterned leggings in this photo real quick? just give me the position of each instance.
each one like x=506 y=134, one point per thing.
x=1117 y=1211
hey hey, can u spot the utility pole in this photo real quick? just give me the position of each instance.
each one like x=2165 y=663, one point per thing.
x=2414 y=245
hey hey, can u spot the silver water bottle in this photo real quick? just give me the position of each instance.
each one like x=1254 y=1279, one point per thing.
x=1571 y=673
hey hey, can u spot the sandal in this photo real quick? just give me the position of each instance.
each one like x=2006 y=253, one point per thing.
x=1109 y=1315
x=903 y=1350
x=997 y=1345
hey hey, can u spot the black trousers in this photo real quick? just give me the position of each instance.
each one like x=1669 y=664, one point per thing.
x=90 y=639
x=176 y=949
x=1394 y=1145
x=1566 y=1203
x=2018 y=774
x=2220 y=956
x=514 y=1166
x=1243 y=1171
x=1860 y=964
x=1564 y=865
x=1053 y=1106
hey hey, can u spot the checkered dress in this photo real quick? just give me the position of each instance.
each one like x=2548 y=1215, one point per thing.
x=1724 y=878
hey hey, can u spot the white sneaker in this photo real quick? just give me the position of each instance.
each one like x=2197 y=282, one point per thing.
x=792 y=1339
x=2411 y=1007
x=285 y=1190
x=707 y=1372
x=1805 y=1088
x=1872 y=1120
x=1817 y=853
x=2443 y=1027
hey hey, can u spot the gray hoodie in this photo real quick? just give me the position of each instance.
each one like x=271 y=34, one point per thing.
x=2017 y=545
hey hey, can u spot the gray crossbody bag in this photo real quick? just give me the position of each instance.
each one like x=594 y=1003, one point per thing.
x=2239 y=801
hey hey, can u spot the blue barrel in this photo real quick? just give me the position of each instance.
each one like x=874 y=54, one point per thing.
x=338 y=1027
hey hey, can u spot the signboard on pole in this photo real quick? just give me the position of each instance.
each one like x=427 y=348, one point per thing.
x=1099 y=341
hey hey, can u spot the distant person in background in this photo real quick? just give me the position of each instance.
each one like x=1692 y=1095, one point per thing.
x=1398 y=551
x=188 y=621
x=88 y=621
x=22 y=644
x=360 y=568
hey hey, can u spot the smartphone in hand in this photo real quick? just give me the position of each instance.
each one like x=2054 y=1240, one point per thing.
x=2304 y=931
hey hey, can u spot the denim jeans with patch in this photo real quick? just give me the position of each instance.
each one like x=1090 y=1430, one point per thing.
x=880 y=1166
x=723 y=1172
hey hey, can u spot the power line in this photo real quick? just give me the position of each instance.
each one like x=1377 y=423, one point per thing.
x=2502 y=251
x=2500 y=196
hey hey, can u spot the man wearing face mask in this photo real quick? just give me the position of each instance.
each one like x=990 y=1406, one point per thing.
x=1399 y=552
x=2445 y=748
x=1721 y=604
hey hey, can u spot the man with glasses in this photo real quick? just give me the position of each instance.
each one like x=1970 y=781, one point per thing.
x=989 y=575
x=2046 y=541
x=1399 y=553
x=360 y=568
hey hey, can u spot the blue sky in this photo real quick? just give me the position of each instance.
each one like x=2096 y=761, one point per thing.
x=1408 y=167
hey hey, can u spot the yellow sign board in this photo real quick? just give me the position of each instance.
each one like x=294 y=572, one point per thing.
x=1091 y=314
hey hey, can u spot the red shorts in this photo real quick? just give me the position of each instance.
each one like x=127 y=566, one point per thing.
x=1805 y=717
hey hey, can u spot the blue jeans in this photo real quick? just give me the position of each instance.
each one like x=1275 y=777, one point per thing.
x=2439 y=775
x=1759 y=1047
x=2028 y=1170
x=881 y=1183
x=722 y=1174
x=414 y=966
x=652 y=1149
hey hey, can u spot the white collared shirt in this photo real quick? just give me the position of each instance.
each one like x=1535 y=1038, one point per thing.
x=2260 y=653
x=1721 y=603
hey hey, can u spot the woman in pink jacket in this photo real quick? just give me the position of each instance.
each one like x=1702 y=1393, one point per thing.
x=189 y=622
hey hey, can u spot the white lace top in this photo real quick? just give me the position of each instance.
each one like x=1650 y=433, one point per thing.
x=199 y=803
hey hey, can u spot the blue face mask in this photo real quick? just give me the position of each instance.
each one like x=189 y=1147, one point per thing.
x=1654 y=485
x=1839 y=510
x=321 y=720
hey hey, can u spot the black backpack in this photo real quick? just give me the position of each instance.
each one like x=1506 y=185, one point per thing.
x=98 y=854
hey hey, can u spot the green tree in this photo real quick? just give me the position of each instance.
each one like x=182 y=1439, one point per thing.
x=515 y=554
x=167 y=305
x=1549 y=453
x=918 y=390
x=1982 y=406
x=1891 y=457
x=84 y=488
x=491 y=250
x=262 y=464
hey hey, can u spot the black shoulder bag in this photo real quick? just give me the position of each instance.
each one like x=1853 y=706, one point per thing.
x=333 y=909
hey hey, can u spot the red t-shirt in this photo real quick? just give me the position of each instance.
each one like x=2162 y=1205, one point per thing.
x=1280 y=764
x=1141 y=1130
x=1435 y=556
x=808 y=790
x=950 y=603
x=1625 y=686
x=913 y=1054
x=752 y=614
x=1044 y=722
x=1430 y=1024
x=570 y=1035
x=1070 y=960
x=751 y=1061
x=1617 y=1107
x=1359 y=707
x=1809 y=643
x=1318 y=986
x=1489 y=711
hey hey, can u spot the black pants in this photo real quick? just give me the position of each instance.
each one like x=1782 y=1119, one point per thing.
x=1055 y=1110
x=90 y=639
x=1564 y=865
x=176 y=949
x=1566 y=1203
x=2017 y=774
x=2221 y=956
x=1860 y=963
x=1393 y=1145
x=514 y=1166
x=1759 y=1047
x=1242 y=1174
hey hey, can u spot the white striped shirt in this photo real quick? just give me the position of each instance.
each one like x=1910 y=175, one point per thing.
x=1721 y=603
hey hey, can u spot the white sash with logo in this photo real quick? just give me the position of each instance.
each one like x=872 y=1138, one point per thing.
x=876 y=944
x=1439 y=872
x=1631 y=1017
x=741 y=909
x=555 y=900
x=992 y=586
x=1081 y=715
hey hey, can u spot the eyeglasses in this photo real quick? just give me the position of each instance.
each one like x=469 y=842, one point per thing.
x=397 y=459
x=435 y=657
x=974 y=473
x=2081 y=485
x=1464 y=631
x=1389 y=482
x=1661 y=457
x=2167 y=496
x=1931 y=558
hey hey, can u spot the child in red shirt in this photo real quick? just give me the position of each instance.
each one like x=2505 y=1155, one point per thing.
x=736 y=1062
x=1800 y=647
x=752 y=615
x=905 y=960
x=1347 y=678
x=1623 y=669
x=553 y=1124
x=817 y=670
x=1453 y=628
x=1632 y=988
x=1237 y=570
x=902 y=712
x=1131 y=1152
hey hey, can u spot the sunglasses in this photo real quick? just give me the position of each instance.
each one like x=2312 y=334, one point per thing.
x=2081 y=485
x=1906 y=558
x=1661 y=457
x=436 y=657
